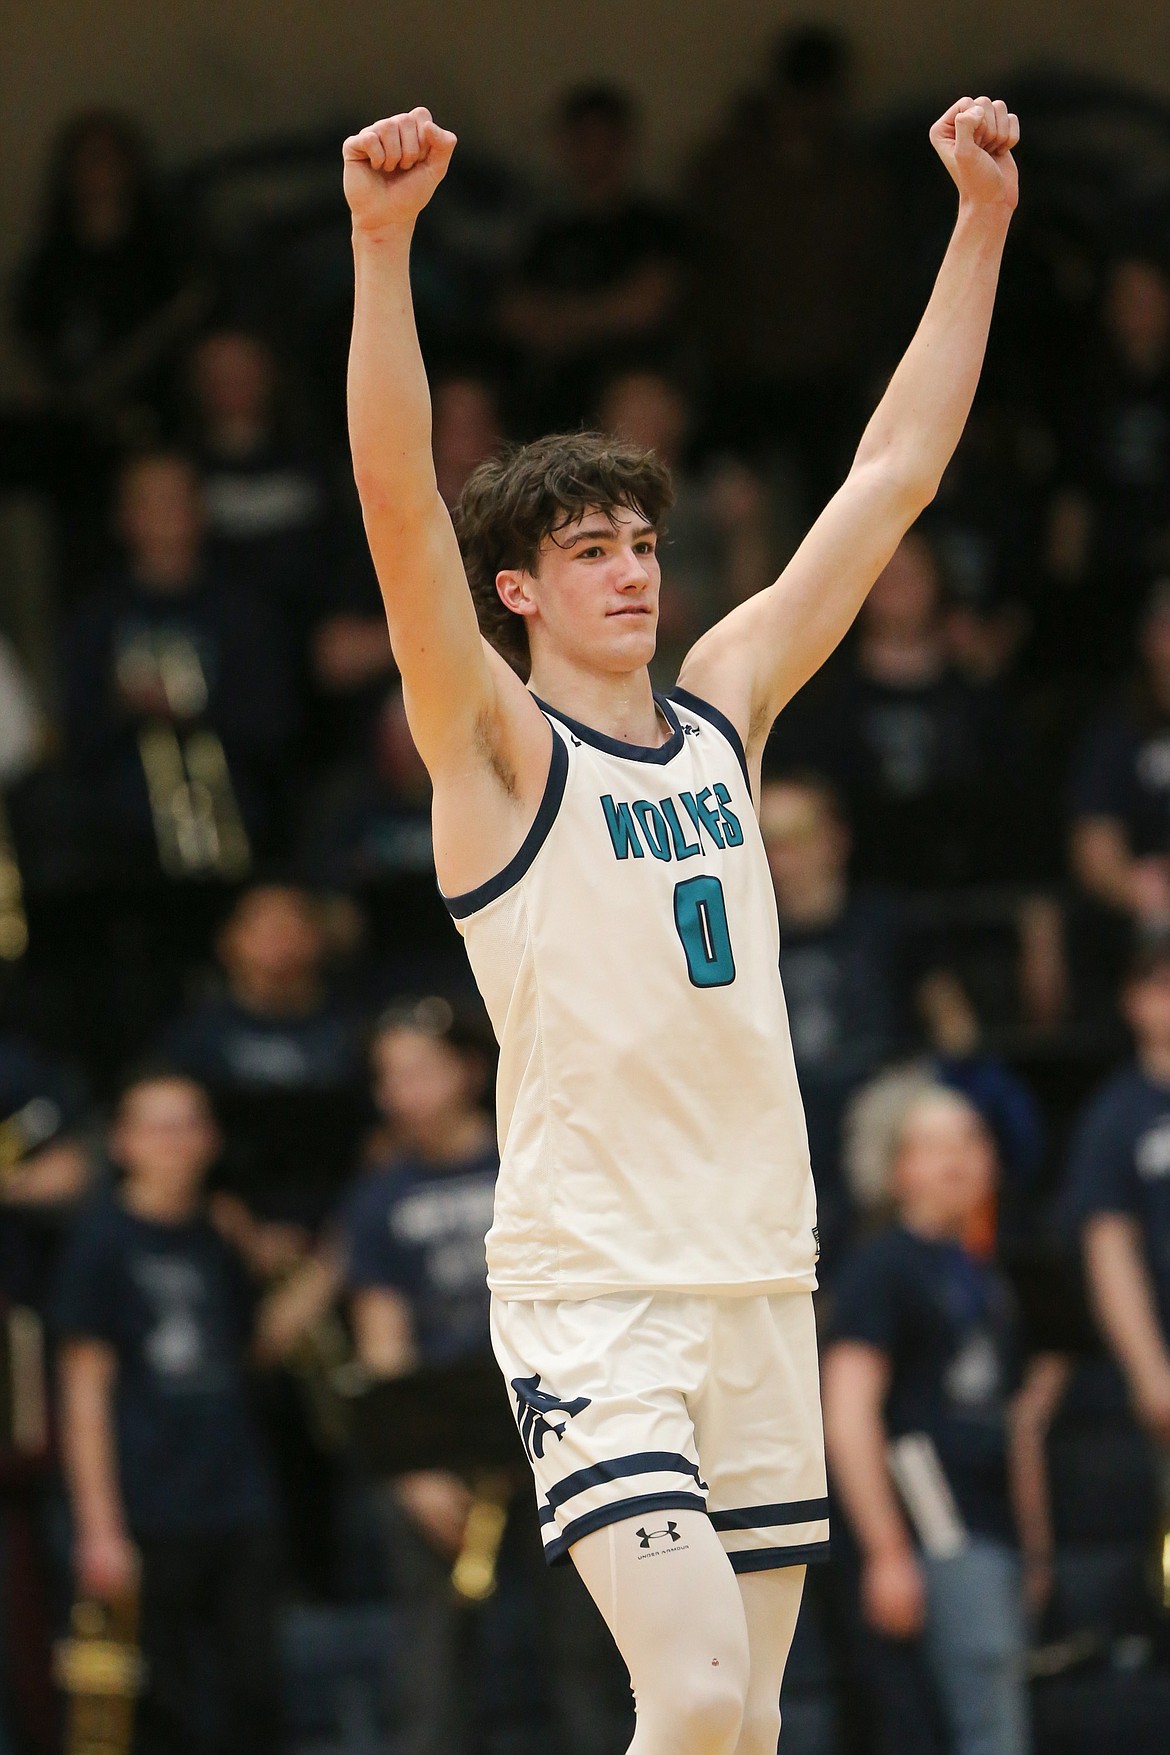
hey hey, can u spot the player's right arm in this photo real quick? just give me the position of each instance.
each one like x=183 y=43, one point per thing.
x=481 y=735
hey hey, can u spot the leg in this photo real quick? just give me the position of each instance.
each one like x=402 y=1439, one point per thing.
x=676 y=1614
x=974 y=1640
x=433 y=1675
x=169 y=1620
x=771 y=1603
x=245 y=1600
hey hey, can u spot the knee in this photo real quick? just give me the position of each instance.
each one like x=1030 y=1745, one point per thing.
x=759 y=1732
x=707 y=1715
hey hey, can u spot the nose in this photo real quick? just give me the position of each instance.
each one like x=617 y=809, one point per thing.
x=635 y=574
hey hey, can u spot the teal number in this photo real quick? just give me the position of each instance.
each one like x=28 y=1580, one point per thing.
x=700 y=914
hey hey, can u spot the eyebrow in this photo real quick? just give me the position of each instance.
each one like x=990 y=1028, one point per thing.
x=607 y=531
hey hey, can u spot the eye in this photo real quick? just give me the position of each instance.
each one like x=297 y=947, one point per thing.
x=591 y=553
x=646 y=547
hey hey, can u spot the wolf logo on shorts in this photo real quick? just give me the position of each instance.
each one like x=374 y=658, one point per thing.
x=534 y=1405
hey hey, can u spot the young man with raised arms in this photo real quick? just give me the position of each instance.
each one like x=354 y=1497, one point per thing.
x=653 y=1249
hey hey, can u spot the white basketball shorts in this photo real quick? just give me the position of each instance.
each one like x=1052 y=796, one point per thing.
x=640 y=1404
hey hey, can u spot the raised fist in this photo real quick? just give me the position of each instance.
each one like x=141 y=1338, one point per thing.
x=975 y=140
x=394 y=167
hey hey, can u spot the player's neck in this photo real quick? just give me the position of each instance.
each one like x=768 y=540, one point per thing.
x=619 y=704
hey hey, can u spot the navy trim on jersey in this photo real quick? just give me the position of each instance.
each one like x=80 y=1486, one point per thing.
x=721 y=723
x=558 y=1549
x=765 y=1517
x=639 y=1462
x=554 y=790
x=631 y=752
x=765 y=1559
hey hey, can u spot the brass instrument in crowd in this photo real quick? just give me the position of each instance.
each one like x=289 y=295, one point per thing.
x=26 y=1130
x=473 y=1576
x=327 y=1369
x=13 y=920
x=455 y=1418
x=100 y=1669
x=198 y=826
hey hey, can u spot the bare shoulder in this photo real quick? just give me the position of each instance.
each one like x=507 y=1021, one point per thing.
x=490 y=787
x=720 y=669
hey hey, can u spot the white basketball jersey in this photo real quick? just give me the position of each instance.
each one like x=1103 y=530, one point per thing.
x=651 y=1130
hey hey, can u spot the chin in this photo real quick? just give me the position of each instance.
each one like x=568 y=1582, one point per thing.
x=630 y=648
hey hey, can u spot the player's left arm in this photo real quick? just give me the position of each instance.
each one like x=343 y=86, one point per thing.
x=753 y=661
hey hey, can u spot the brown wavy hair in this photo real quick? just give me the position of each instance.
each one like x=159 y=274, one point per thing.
x=512 y=502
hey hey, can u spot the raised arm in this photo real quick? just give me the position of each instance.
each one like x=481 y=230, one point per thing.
x=754 y=660
x=477 y=729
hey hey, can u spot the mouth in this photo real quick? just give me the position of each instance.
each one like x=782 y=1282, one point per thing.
x=629 y=609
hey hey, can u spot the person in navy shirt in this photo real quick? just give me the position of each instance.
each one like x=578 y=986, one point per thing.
x=919 y=1376
x=1119 y=1195
x=283 y=1063
x=163 y=1464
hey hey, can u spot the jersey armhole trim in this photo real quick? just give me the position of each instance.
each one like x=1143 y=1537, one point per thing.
x=719 y=720
x=471 y=901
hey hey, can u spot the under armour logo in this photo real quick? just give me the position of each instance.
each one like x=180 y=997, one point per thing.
x=645 y=1536
x=533 y=1406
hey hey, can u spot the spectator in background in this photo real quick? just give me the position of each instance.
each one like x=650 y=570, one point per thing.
x=282 y=1060
x=956 y=1059
x=179 y=697
x=918 y=1376
x=601 y=277
x=796 y=249
x=1118 y=1192
x=98 y=302
x=720 y=545
x=1121 y=786
x=408 y=1252
x=840 y=954
x=265 y=496
x=929 y=760
x=372 y=820
x=166 y=1481
x=1110 y=521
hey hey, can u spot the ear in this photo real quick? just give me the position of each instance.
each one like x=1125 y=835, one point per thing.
x=515 y=590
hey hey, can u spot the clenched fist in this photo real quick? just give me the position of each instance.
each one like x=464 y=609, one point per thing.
x=393 y=168
x=975 y=140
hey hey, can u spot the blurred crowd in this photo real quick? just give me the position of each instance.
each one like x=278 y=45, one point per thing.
x=245 y=1091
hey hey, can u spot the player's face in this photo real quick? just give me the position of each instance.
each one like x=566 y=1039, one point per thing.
x=594 y=595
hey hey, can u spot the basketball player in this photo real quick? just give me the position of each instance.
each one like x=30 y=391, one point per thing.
x=653 y=1248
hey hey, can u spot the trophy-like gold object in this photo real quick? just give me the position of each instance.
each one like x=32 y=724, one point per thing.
x=100 y=1668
